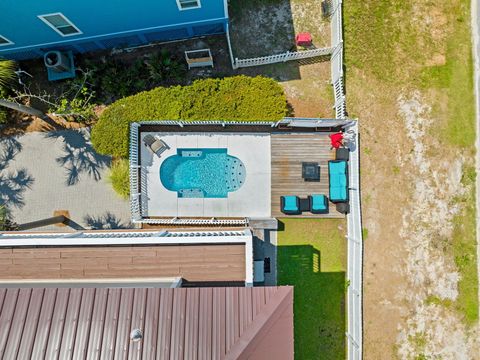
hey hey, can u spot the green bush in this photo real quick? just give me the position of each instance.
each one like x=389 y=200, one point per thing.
x=119 y=177
x=234 y=98
x=3 y=116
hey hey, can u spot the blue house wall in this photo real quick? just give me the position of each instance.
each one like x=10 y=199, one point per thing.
x=104 y=24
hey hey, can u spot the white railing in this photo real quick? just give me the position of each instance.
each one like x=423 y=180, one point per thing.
x=355 y=256
x=287 y=56
x=336 y=61
x=135 y=192
x=186 y=221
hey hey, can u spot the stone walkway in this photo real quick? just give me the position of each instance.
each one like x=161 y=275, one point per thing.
x=41 y=173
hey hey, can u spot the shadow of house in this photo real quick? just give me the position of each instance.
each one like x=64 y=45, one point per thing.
x=13 y=183
x=104 y=222
x=319 y=303
x=79 y=156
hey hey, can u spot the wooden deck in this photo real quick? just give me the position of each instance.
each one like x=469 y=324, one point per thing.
x=288 y=151
x=203 y=262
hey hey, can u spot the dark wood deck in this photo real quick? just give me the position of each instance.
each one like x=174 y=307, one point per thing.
x=288 y=151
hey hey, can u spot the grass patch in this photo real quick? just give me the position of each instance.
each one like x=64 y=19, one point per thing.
x=435 y=300
x=312 y=258
x=464 y=252
x=119 y=178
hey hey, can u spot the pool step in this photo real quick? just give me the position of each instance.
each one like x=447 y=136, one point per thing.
x=191 y=153
x=191 y=193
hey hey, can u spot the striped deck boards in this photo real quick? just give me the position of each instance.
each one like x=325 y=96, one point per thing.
x=288 y=151
x=199 y=262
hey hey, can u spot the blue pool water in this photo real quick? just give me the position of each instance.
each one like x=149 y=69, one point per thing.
x=210 y=173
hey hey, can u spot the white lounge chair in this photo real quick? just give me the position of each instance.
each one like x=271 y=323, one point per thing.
x=155 y=145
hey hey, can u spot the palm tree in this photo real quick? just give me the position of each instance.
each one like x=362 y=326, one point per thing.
x=7 y=74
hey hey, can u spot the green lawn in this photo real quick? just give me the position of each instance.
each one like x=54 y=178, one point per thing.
x=312 y=258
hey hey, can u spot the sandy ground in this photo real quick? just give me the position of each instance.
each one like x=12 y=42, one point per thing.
x=269 y=28
x=409 y=180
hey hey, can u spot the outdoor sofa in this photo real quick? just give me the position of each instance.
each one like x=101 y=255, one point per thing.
x=338 y=181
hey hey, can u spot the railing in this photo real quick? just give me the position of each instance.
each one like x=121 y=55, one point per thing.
x=186 y=221
x=355 y=256
x=336 y=61
x=287 y=121
x=287 y=56
x=135 y=192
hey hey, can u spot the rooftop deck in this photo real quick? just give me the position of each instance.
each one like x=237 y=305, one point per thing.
x=288 y=151
x=199 y=262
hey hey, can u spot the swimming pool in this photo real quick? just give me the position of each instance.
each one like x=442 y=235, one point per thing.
x=197 y=173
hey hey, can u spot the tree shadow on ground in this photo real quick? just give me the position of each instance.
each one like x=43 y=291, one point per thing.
x=106 y=221
x=13 y=183
x=79 y=156
x=319 y=303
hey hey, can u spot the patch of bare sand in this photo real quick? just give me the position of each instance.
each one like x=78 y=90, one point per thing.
x=384 y=191
x=431 y=329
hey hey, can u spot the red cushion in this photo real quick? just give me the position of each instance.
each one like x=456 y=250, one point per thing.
x=336 y=140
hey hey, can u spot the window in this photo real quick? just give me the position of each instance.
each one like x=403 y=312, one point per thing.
x=60 y=24
x=4 y=41
x=188 y=4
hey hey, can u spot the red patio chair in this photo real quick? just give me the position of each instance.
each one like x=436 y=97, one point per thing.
x=336 y=140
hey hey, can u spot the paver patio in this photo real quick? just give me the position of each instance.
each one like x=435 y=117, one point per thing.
x=45 y=172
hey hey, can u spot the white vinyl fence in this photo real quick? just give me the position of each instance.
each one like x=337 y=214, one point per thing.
x=134 y=169
x=287 y=56
x=355 y=255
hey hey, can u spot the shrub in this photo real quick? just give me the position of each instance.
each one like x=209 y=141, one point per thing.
x=239 y=98
x=3 y=116
x=119 y=177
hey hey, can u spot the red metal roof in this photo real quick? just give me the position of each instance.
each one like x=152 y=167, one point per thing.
x=182 y=323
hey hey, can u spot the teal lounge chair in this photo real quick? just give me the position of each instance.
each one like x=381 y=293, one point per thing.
x=290 y=205
x=318 y=204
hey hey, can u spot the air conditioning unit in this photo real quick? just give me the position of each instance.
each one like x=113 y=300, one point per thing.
x=57 y=61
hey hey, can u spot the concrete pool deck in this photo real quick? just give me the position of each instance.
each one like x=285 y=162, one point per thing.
x=252 y=199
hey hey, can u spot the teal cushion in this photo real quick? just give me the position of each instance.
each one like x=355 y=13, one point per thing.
x=338 y=180
x=290 y=203
x=318 y=202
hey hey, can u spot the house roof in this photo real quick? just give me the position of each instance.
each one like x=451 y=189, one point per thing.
x=189 y=323
x=196 y=256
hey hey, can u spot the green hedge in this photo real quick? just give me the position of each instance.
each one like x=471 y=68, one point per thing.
x=234 y=98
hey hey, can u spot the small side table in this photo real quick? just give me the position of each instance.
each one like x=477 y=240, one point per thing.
x=342 y=154
x=310 y=171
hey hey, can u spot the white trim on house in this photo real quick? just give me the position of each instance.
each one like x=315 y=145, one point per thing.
x=180 y=8
x=154 y=282
x=57 y=29
x=8 y=42
x=119 y=33
x=225 y=8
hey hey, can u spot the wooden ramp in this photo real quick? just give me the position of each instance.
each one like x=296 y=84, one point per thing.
x=288 y=151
